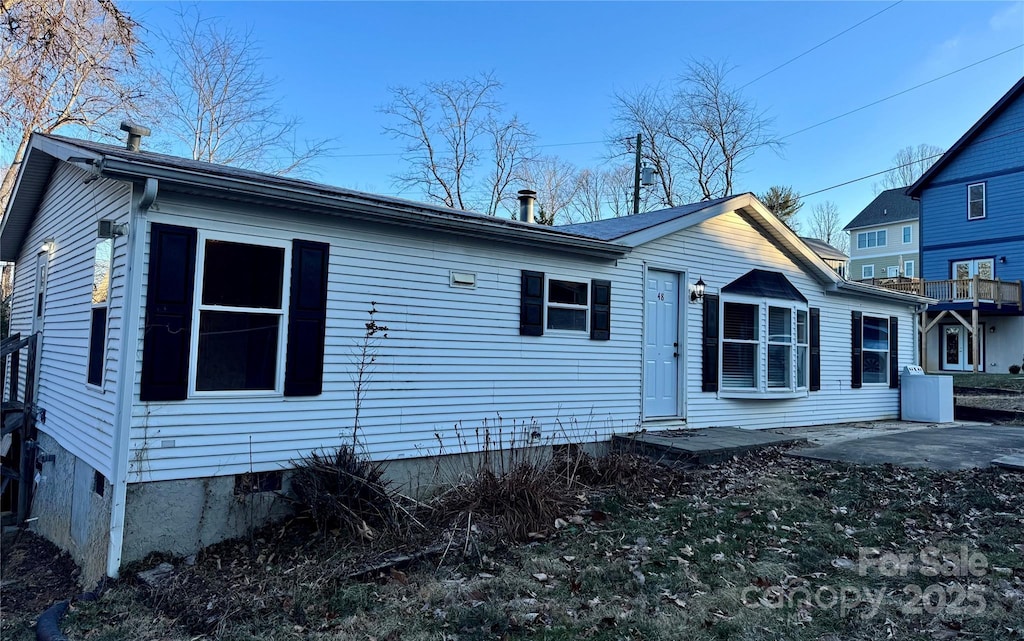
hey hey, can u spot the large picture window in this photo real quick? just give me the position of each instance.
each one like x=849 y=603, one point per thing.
x=876 y=350
x=239 y=337
x=771 y=361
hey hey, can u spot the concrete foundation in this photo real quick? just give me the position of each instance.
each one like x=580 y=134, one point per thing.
x=68 y=510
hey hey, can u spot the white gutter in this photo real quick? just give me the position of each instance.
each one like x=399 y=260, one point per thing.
x=127 y=369
x=366 y=207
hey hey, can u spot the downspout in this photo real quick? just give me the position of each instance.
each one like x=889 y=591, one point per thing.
x=127 y=369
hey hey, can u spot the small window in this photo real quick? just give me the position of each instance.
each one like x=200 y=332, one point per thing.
x=780 y=347
x=908 y=269
x=908 y=234
x=98 y=317
x=867 y=271
x=975 y=201
x=567 y=306
x=892 y=271
x=876 y=350
x=99 y=484
x=241 y=317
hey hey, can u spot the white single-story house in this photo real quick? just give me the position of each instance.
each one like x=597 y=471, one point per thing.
x=200 y=322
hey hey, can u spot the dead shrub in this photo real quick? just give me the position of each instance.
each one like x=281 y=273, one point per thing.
x=344 y=490
x=523 y=499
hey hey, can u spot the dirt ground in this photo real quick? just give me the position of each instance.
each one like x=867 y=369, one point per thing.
x=34 y=575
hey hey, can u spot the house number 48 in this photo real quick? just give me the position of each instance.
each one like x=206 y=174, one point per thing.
x=661 y=296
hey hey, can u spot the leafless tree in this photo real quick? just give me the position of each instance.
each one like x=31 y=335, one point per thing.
x=827 y=225
x=909 y=164
x=557 y=183
x=215 y=100
x=68 y=63
x=461 y=149
x=588 y=203
x=696 y=133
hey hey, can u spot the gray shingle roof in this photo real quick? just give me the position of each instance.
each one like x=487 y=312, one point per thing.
x=614 y=228
x=890 y=206
x=823 y=249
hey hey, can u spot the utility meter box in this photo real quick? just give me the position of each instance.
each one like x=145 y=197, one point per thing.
x=924 y=397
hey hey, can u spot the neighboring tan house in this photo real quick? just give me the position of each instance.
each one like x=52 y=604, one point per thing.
x=834 y=258
x=199 y=323
x=884 y=238
x=972 y=244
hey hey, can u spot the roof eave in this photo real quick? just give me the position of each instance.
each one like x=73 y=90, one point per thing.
x=360 y=207
x=914 y=191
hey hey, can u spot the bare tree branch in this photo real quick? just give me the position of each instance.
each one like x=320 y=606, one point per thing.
x=215 y=100
x=696 y=134
x=909 y=164
x=827 y=225
x=460 y=148
x=69 y=63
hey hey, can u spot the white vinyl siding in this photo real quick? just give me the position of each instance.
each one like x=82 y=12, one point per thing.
x=79 y=416
x=452 y=356
x=454 y=365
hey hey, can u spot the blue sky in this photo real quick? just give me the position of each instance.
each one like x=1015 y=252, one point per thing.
x=561 y=63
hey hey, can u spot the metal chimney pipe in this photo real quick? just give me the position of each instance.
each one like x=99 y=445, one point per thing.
x=135 y=134
x=526 y=200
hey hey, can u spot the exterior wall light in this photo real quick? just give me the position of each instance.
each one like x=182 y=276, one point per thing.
x=697 y=293
x=47 y=246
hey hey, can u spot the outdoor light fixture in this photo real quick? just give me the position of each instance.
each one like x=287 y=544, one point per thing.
x=1002 y=259
x=697 y=293
x=992 y=329
x=46 y=246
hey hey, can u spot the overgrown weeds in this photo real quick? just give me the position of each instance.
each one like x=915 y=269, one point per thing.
x=343 y=490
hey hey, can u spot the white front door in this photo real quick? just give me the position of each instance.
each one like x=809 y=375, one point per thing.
x=661 y=344
x=958 y=349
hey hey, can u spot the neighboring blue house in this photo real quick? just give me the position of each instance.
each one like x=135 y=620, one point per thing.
x=972 y=244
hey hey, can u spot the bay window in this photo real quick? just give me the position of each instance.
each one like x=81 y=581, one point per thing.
x=764 y=347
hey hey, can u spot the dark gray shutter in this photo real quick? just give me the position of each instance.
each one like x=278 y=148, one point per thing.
x=856 y=351
x=307 y=319
x=600 y=310
x=709 y=363
x=531 y=304
x=814 y=382
x=894 y=352
x=168 y=328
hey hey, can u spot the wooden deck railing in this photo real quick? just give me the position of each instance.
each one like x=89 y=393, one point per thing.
x=964 y=290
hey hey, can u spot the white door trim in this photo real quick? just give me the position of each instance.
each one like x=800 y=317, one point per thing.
x=680 y=339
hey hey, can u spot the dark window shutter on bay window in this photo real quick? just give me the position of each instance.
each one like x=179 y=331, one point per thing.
x=709 y=362
x=168 y=327
x=856 y=349
x=894 y=352
x=600 y=310
x=307 y=319
x=531 y=304
x=814 y=382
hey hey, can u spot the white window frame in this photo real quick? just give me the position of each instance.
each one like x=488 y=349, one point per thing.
x=198 y=308
x=878 y=237
x=106 y=328
x=864 y=350
x=761 y=388
x=867 y=271
x=970 y=200
x=892 y=271
x=908 y=234
x=908 y=269
x=548 y=304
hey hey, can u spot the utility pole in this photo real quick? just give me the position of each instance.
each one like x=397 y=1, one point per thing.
x=636 y=178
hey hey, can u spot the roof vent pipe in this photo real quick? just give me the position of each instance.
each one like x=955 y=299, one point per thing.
x=526 y=200
x=135 y=134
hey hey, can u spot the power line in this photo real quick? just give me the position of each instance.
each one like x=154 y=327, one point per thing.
x=403 y=153
x=821 y=44
x=881 y=100
x=907 y=164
